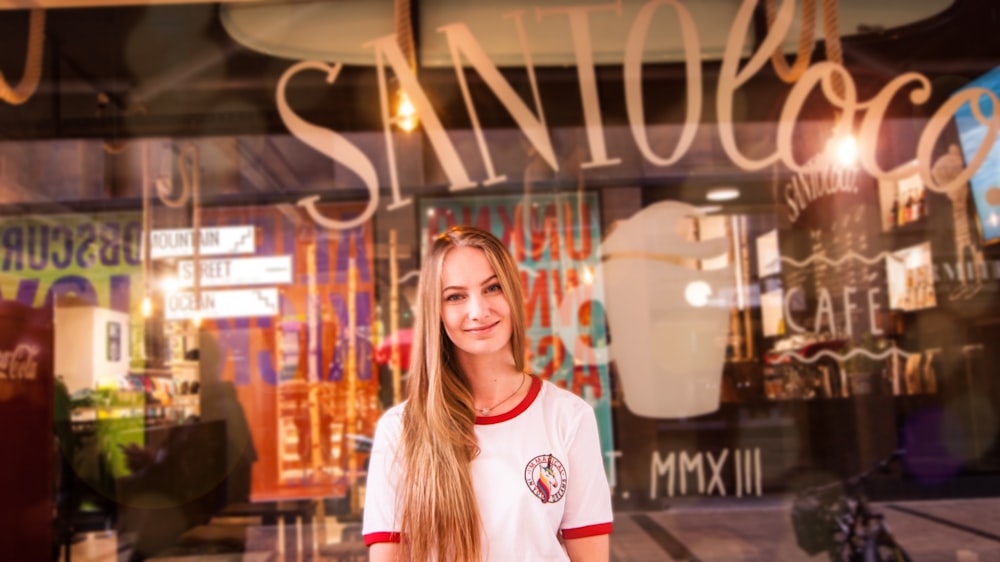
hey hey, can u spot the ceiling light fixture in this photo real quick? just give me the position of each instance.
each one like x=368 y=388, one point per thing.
x=406 y=114
x=847 y=151
x=722 y=194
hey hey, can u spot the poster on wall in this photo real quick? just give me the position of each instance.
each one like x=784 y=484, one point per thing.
x=910 y=277
x=902 y=201
x=301 y=363
x=555 y=241
x=772 y=312
x=768 y=254
x=985 y=183
x=92 y=259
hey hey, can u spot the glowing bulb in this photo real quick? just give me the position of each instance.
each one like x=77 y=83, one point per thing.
x=406 y=114
x=170 y=285
x=147 y=307
x=697 y=293
x=994 y=220
x=196 y=320
x=847 y=151
x=588 y=276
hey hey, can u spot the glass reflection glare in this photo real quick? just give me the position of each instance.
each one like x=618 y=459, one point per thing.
x=697 y=292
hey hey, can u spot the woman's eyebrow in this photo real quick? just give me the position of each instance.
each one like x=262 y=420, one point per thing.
x=487 y=281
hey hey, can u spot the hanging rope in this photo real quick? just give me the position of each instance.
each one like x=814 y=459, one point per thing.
x=831 y=34
x=404 y=31
x=191 y=178
x=165 y=185
x=807 y=41
x=32 y=63
x=147 y=223
x=188 y=163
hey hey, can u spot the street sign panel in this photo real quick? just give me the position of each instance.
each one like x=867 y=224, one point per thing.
x=231 y=303
x=213 y=241
x=229 y=272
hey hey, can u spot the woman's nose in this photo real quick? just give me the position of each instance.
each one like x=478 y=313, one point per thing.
x=478 y=308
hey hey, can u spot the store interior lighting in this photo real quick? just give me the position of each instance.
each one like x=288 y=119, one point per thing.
x=847 y=151
x=723 y=194
x=406 y=114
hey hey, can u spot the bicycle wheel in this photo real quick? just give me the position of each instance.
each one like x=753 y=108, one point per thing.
x=883 y=548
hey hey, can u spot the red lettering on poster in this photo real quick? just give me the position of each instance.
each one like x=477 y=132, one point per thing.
x=578 y=229
x=549 y=228
x=536 y=295
x=584 y=375
x=560 y=289
x=547 y=343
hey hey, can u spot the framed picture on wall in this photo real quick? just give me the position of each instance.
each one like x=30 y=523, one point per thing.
x=902 y=201
x=768 y=254
x=910 y=277
x=985 y=183
x=114 y=341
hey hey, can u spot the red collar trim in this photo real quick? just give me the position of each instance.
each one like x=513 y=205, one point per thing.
x=536 y=387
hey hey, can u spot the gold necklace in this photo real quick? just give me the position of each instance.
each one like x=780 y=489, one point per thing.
x=486 y=411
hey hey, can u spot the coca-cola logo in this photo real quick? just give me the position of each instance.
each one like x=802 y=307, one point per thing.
x=21 y=363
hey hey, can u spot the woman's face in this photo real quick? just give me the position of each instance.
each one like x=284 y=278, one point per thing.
x=474 y=310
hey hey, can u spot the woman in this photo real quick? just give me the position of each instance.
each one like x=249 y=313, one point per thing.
x=482 y=461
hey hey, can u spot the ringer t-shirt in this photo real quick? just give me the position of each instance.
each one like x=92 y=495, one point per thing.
x=539 y=476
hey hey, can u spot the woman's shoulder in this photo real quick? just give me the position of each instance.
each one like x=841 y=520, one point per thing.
x=556 y=395
x=392 y=419
x=395 y=411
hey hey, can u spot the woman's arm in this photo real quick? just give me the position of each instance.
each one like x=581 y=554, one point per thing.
x=383 y=552
x=589 y=549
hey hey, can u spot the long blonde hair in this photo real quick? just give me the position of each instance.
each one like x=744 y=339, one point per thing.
x=439 y=511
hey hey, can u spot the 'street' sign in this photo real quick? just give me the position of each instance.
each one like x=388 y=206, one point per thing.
x=228 y=272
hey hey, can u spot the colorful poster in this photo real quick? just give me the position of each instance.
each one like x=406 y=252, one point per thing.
x=973 y=133
x=304 y=378
x=92 y=259
x=555 y=241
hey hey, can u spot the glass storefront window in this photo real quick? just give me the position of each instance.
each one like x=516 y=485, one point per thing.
x=759 y=239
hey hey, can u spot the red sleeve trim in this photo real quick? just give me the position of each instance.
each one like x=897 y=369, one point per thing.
x=373 y=538
x=588 y=531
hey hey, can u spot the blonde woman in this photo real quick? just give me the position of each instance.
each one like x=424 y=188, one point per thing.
x=483 y=461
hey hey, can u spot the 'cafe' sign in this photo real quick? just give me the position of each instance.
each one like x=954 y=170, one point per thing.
x=862 y=118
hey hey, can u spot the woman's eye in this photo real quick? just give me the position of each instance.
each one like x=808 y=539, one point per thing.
x=494 y=288
x=453 y=297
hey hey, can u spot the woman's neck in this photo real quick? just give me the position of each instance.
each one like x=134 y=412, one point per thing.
x=490 y=377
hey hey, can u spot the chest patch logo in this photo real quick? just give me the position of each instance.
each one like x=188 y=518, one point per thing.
x=546 y=478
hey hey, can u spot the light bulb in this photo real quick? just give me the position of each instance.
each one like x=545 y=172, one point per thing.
x=847 y=151
x=697 y=293
x=196 y=320
x=147 y=307
x=170 y=285
x=406 y=114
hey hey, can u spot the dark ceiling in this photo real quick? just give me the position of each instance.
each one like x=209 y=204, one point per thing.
x=173 y=71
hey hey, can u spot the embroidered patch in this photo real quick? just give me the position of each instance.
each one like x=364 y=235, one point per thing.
x=546 y=478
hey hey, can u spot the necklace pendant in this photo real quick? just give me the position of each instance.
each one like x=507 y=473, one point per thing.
x=483 y=411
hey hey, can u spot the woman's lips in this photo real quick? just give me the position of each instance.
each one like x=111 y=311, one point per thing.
x=481 y=330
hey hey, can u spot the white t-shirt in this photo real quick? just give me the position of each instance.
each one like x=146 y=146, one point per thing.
x=539 y=473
